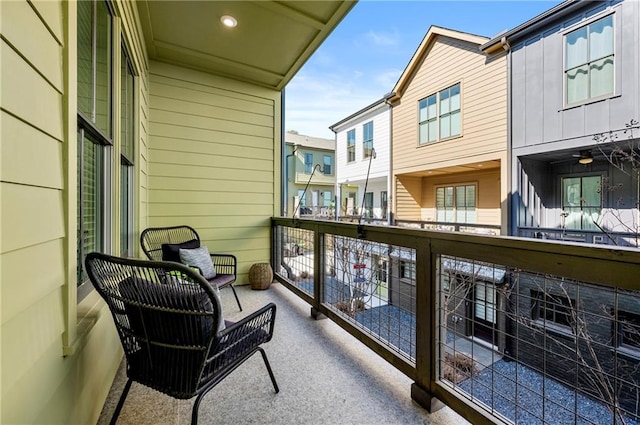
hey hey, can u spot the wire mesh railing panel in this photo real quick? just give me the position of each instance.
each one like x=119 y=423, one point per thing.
x=533 y=348
x=296 y=257
x=373 y=285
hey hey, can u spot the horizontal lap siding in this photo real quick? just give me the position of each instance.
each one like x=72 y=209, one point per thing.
x=37 y=186
x=211 y=160
x=32 y=221
x=484 y=124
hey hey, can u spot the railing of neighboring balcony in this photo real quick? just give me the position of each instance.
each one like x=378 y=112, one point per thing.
x=503 y=330
x=587 y=236
x=486 y=229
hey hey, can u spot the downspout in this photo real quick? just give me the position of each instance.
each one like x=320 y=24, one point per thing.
x=511 y=215
x=283 y=169
x=390 y=180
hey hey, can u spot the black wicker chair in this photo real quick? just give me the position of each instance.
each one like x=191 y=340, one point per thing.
x=153 y=238
x=168 y=316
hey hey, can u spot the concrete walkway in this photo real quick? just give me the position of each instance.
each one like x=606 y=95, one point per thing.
x=325 y=376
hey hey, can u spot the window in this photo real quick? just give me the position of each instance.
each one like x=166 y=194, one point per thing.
x=308 y=163
x=95 y=128
x=485 y=302
x=127 y=130
x=589 y=61
x=368 y=205
x=628 y=330
x=552 y=309
x=381 y=269
x=301 y=197
x=581 y=202
x=326 y=168
x=439 y=115
x=407 y=270
x=456 y=204
x=351 y=145
x=327 y=198
x=384 y=202
x=367 y=139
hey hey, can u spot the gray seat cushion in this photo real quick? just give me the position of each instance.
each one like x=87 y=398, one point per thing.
x=221 y=279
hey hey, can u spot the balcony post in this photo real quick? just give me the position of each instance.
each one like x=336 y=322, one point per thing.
x=426 y=279
x=318 y=274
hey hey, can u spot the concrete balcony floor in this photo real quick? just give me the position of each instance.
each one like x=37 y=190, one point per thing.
x=325 y=376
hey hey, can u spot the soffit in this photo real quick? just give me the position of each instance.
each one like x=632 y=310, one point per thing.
x=271 y=42
x=465 y=168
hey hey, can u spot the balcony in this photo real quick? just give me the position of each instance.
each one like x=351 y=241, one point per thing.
x=318 y=179
x=503 y=330
x=352 y=385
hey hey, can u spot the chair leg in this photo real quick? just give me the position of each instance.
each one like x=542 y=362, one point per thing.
x=236 y=295
x=196 y=406
x=123 y=396
x=266 y=363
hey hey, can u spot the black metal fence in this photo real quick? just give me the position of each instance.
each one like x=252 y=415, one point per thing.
x=500 y=329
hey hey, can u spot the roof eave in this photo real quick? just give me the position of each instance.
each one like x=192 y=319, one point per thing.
x=534 y=24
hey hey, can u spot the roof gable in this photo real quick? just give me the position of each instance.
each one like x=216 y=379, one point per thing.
x=428 y=40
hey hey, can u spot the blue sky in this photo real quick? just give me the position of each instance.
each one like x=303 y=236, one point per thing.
x=364 y=56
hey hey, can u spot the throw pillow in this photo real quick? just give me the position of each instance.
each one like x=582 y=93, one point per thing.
x=175 y=277
x=200 y=258
x=180 y=328
x=171 y=251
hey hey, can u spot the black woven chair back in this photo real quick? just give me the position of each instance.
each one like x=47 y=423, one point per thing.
x=151 y=239
x=166 y=315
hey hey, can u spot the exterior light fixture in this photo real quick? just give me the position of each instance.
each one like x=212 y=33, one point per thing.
x=585 y=157
x=228 y=21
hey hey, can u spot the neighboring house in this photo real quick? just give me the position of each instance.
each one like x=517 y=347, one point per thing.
x=449 y=122
x=574 y=76
x=363 y=150
x=309 y=164
x=116 y=116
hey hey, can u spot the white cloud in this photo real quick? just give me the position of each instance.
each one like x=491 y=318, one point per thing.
x=382 y=39
x=313 y=103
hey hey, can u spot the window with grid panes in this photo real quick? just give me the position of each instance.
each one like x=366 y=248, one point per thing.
x=582 y=201
x=589 y=61
x=628 y=331
x=456 y=204
x=551 y=308
x=439 y=115
x=95 y=125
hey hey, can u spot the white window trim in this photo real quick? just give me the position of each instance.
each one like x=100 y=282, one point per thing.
x=438 y=115
x=616 y=60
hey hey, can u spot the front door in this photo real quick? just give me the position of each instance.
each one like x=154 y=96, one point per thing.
x=483 y=323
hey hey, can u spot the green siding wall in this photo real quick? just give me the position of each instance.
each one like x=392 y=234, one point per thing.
x=57 y=358
x=212 y=153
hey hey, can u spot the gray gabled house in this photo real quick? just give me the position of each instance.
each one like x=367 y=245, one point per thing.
x=574 y=90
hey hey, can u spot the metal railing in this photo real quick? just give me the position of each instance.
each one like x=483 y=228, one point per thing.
x=586 y=236
x=486 y=229
x=503 y=330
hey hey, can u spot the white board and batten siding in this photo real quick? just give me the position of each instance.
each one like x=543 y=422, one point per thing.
x=213 y=153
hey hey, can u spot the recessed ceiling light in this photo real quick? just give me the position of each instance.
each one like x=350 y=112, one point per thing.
x=228 y=21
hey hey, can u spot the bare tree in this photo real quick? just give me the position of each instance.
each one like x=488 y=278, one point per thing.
x=584 y=350
x=355 y=265
x=623 y=153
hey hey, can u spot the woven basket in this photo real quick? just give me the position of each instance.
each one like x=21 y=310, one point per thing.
x=260 y=276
